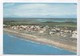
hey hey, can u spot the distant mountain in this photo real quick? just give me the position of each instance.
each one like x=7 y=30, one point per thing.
x=42 y=19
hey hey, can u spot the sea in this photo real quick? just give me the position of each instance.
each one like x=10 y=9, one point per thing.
x=15 y=45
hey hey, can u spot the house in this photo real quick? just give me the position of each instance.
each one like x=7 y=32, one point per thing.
x=74 y=34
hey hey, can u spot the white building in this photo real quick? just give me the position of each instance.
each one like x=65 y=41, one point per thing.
x=74 y=34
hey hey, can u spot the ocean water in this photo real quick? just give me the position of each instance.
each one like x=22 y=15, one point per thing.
x=13 y=45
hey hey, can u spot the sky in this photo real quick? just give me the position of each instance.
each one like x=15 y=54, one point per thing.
x=40 y=10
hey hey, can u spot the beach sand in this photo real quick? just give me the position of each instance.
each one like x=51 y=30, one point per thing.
x=43 y=40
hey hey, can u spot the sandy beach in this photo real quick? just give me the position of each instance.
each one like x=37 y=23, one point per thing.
x=35 y=38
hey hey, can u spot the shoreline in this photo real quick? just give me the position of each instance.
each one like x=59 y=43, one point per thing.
x=42 y=40
x=33 y=41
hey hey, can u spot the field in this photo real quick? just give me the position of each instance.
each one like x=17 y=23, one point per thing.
x=61 y=24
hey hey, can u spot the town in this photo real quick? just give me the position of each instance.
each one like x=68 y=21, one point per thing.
x=38 y=29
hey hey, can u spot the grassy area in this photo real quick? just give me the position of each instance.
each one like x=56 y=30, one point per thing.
x=62 y=24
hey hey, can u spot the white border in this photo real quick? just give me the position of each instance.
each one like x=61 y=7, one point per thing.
x=1 y=28
x=78 y=29
x=38 y=1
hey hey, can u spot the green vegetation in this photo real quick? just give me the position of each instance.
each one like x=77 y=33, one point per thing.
x=62 y=24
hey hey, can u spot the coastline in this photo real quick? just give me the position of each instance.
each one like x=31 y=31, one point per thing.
x=42 y=40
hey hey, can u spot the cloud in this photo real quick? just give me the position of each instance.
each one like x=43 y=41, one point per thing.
x=40 y=10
